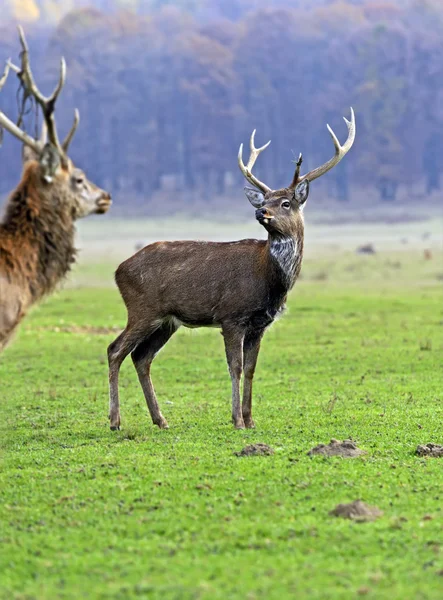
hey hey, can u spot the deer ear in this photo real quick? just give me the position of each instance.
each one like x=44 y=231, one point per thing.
x=255 y=197
x=301 y=192
x=50 y=162
x=28 y=154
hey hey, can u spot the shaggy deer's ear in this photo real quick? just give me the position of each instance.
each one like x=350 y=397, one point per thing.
x=50 y=162
x=29 y=154
x=255 y=197
x=301 y=192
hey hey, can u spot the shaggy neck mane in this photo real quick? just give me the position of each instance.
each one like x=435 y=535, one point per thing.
x=287 y=255
x=36 y=235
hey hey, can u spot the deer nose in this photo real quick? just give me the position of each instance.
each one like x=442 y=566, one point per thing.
x=262 y=213
x=105 y=199
x=103 y=203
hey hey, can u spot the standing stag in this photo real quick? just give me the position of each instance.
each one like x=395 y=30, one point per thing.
x=37 y=232
x=238 y=286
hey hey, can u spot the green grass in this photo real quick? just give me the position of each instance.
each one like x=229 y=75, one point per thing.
x=143 y=513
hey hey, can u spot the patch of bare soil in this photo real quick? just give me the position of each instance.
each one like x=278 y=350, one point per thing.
x=357 y=511
x=255 y=450
x=433 y=450
x=366 y=249
x=346 y=449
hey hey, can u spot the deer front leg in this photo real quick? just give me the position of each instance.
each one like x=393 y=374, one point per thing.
x=251 y=348
x=233 y=337
x=6 y=336
x=12 y=311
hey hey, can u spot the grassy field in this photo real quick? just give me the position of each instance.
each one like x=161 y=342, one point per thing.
x=143 y=513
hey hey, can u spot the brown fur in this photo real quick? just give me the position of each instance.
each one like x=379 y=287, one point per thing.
x=37 y=241
x=237 y=286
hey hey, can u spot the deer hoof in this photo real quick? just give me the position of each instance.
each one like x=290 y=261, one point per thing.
x=163 y=424
x=249 y=424
x=115 y=424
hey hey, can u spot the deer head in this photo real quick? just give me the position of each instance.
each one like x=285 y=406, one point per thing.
x=56 y=174
x=277 y=210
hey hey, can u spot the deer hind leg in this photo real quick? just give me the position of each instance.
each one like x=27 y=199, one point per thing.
x=117 y=352
x=251 y=348
x=142 y=357
x=233 y=337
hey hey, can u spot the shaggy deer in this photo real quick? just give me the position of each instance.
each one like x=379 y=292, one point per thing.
x=240 y=287
x=37 y=232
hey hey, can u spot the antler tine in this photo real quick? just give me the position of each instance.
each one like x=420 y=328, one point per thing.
x=340 y=151
x=8 y=124
x=295 y=179
x=68 y=138
x=26 y=70
x=47 y=103
x=43 y=134
x=247 y=171
x=4 y=77
x=18 y=133
x=255 y=151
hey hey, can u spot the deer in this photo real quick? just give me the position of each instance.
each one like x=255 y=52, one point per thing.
x=240 y=287
x=37 y=231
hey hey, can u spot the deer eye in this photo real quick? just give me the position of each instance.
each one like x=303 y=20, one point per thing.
x=286 y=204
x=79 y=180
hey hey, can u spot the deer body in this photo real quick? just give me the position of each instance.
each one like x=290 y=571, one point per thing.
x=237 y=286
x=174 y=277
x=37 y=231
x=240 y=287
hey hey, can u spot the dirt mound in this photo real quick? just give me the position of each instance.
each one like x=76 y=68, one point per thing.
x=434 y=450
x=357 y=511
x=365 y=249
x=346 y=448
x=255 y=450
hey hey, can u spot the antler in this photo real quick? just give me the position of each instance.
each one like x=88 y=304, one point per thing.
x=12 y=127
x=47 y=103
x=4 y=77
x=68 y=138
x=340 y=152
x=295 y=179
x=247 y=171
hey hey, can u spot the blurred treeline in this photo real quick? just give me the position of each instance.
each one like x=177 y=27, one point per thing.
x=168 y=90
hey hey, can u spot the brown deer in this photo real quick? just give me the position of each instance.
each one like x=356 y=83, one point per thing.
x=240 y=287
x=37 y=231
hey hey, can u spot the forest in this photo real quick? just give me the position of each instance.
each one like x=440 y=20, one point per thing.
x=167 y=91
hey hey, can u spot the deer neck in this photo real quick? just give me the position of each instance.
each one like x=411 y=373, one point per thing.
x=38 y=238
x=286 y=254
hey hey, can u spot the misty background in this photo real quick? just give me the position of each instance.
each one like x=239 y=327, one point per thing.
x=167 y=90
